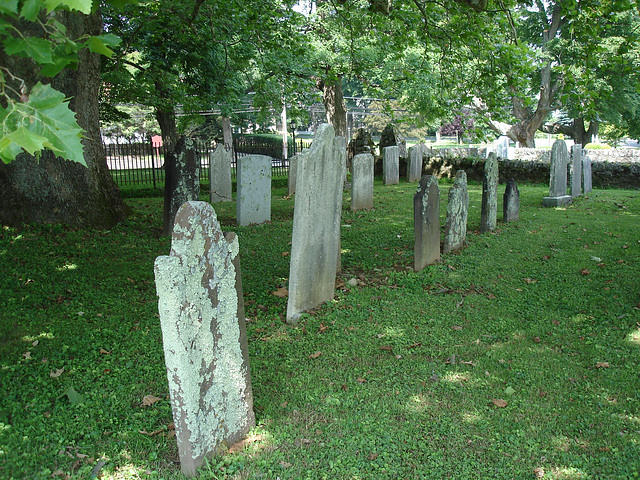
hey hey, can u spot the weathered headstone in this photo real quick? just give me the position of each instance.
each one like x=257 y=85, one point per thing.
x=587 y=180
x=204 y=336
x=511 y=202
x=182 y=170
x=254 y=190
x=293 y=171
x=414 y=170
x=426 y=223
x=558 y=176
x=455 y=232
x=391 y=165
x=315 y=242
x=391 y=137
x=361 y=143
x=220 y=174
x=502 y=147
x=576 y=170
x=489 y=212
x=362 y=182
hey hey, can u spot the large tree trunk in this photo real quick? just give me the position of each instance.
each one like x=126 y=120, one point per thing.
x=54 y=190
x=334 y=105
x=576 y=130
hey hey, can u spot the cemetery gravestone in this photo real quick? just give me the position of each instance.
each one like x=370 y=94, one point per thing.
x=293 y=171
x=390 y=137
x=511 y=202
x=414 y=172
x=586 y=174
x=455 y=233
x=315 y=242
x=220 y=174
x=362 y=182
x=391 y=165
x=558 y=176
x=489 y=212
x=426 y=226
x=576 y=170
x=502 y=147
x=182 y=180
x=254 y=190
x=204 y=336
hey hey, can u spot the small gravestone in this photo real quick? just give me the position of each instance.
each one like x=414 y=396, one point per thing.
x=489 y=212
x=414 y=170
x=511 y=202
x=182 y=170
x=391 y=165
x=576 y=170
x=315 y=242
x=558 y=176
x=426 y=223
x=455 y=232
x=362 y=182
x=361 y=143
x=587 y=185
x=254 y=190
x=502 y=147
x=204 y=336
x=293 y=171
x=220 y=174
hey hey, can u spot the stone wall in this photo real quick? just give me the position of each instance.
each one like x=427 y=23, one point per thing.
x=611 y=168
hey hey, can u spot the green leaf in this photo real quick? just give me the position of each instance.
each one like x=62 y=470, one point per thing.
x=83 y=6
x=9 y=6
x=74 y=397
x=96 y=45
x=30 y=10
x=30 y=141
x=38 y=49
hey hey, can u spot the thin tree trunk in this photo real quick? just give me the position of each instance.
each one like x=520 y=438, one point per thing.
x=334 y=105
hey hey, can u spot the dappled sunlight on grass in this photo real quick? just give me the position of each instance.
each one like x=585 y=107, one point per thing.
x=417 y=403
x=472 y=417
x=67 y=266
x=634 y=337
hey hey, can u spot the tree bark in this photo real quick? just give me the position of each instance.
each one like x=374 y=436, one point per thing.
x=51 y=189
x=576 y=130
x=334 y=105
x=227 y=134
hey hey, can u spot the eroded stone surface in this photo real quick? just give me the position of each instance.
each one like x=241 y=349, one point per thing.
x=254 y=190
x=455 y=233
x=489 y=212
x=414 y=169
x=220 y=175
x=511 y=202
x=575 y=177
x=362 y=182
x=426 y=223
x=204 y=336
x=391 y=165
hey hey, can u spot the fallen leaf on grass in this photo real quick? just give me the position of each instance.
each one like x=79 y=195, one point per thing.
x=360 y=380
x=602 y=365
x=104 y=352
x=373 y=456
x=585 y=271
x=284 y=464
x=315 y=355
x=284 y=254
x=151 y=434
x=282 y=292
x=456 y=327
x=468 y=363
x=322 y=328
x=538 y=472
x=388 y=348
x=498 y=402
x=239 y=446
x=57 y=373
x=149 y=400
x=530 y=280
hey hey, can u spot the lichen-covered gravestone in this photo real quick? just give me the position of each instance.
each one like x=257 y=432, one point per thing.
x=426 y=223
x=455 y=232
x=414 y=170
x=362 y=182
x=204 y=336
x=315 y=242
x=576 y=170
x=254 y=190
x=587 y=180
x=182 y=170
x=293 y=171
x=391 y=165
x=220 y=174
x=511 y=202
x=489 y=212
x=558 y=176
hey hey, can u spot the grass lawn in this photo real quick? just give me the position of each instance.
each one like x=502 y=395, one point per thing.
x=518 y=357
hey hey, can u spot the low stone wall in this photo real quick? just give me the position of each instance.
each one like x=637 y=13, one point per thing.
x=610 y=168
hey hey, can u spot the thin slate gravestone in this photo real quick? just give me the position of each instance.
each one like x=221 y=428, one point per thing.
x=293 y=171
x=362 y=182
x=558 y=176
x=489 y=212
x=414 y=172
x=511 y=202
x=455 y=231
x=576 y=170
x=204 y=336
x=182 y=170
x=220 y=175
x=586 y=174
x=315 y=242
x=502 y=147
x=426 y=223
x=254 y=190
x=391 y=165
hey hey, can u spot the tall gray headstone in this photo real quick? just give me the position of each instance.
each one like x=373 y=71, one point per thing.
x=511 y=202
x=426 y=223
x=455 y=231
x=315 y=242
x=587 y=180
x=204 y=336
x=293 y=171
x=502 y=147
x=362 y=182
x=414 y=169
x=220 y=174
x=391 y=165
x=254 y=190
x=576 y=170
x=558 y=176
x=182 y=170
x=489 y=211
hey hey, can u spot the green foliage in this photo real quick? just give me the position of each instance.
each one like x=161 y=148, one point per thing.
x=597 y=146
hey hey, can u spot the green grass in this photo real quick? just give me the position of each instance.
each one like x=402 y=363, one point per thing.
x=542 y=313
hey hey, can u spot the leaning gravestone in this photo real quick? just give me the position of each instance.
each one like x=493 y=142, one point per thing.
x=489 y=212
x=204 y=336
x=586 y=174
x=558 y=176
x=426 y=223
x=576 y=170
x=455 y=231
x=362 y=182
x=220 y=174
x=391 y=165
x=315 y=242
x=182 y=178
x=293 y=171
x=414 y=170
x=511 y=202
x=254 y=190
